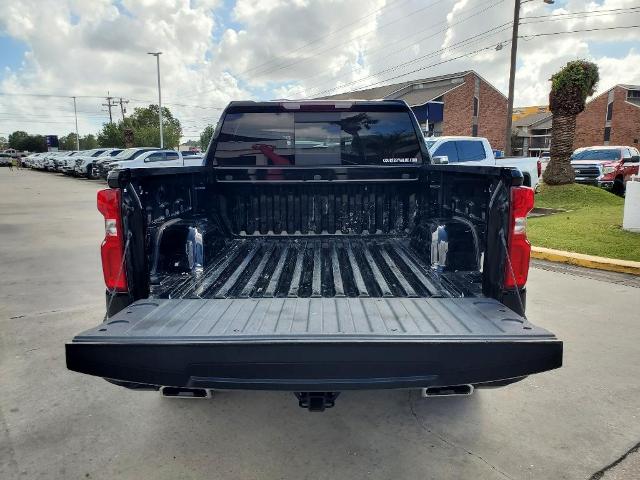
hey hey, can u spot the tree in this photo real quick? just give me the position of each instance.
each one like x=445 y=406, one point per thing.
x=88 y=142
x=205 y=137
x=35 y=143
x=68 y=142
x=570 y=88
x=3 y=142
x=111 y=136
x=17 y=139
x=145 y=125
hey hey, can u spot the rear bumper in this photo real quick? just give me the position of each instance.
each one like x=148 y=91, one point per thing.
x=322 y=366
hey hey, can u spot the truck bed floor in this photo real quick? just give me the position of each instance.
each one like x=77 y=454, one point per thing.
x=320 y=267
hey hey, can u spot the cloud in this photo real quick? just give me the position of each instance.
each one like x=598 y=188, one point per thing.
x=218 y=50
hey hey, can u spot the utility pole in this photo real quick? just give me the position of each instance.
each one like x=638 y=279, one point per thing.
x=122 y=107
x=109 y=105
x=157 y=55
x=512 y=70
x=75 y=113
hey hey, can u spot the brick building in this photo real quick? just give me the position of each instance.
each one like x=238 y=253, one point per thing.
x=461 y=103
x=611 y=118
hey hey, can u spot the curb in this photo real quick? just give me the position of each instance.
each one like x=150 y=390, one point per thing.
x=588 y=261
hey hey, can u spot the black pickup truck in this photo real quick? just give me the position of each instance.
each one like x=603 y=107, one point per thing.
x=317 y=251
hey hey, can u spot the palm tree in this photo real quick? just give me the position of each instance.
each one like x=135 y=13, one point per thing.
x=570 y=88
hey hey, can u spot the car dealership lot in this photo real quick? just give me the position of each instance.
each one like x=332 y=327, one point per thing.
x=568 y=423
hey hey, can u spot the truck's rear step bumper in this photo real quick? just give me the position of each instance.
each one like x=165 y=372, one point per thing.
x=314 y=344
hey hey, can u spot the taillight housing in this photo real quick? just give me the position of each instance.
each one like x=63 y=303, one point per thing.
x=539 y=168
x=112 y=248
x=518 y=247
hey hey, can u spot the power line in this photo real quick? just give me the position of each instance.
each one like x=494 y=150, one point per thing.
x=475 y=52
x=494 y=30
x=582 y=12
x=412 y=36
x=526 y=37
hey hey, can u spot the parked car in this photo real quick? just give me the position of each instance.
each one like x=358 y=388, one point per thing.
x=477 y=151
x=30 y=160
x=545 y=158
x=335 y=259
x=5 y=159
x=82 y=164
x=65 y=163
x=49 y=160
x=101 y=166
x=608 y=167
x=157 y=159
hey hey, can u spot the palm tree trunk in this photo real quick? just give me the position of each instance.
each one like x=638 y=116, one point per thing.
x=559 y=171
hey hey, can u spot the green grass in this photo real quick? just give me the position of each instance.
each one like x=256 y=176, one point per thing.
x=591 y=225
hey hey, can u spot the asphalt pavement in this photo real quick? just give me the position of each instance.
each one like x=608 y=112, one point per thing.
x=581 y=421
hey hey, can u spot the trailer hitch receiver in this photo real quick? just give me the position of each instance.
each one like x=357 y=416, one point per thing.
x=316 y=401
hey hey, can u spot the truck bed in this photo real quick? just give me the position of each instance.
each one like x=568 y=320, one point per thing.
x=330 y=266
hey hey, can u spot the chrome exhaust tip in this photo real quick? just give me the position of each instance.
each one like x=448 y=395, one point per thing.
x=448 y=391
x=184 y=392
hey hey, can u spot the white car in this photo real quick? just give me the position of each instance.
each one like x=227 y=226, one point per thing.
x=157 y=159
x=64 y=163
x=30 y=160
x=478 y=151
x=83 y=164
x=49 y=160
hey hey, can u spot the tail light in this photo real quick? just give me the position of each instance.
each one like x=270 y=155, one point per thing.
x=112 y=248
x=539 y=168
x=519 y=248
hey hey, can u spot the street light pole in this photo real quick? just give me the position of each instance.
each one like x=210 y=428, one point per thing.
x=75 y=113
x=157 y=55
x=512 y=71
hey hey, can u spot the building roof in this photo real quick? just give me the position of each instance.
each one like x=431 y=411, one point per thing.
x=530 y=120
x=422 y=92
x=630 y=87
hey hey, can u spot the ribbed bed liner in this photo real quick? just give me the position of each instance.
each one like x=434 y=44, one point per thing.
x=318 y=267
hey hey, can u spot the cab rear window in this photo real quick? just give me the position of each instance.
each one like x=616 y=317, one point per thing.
x=317 y=138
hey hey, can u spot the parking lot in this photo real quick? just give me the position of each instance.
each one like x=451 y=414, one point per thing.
x=570 y=423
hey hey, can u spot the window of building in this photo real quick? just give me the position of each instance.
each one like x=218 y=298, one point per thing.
x=607 y=134
x=610 y=111
x=474 y=130
x=633 y=94
x=476 y=106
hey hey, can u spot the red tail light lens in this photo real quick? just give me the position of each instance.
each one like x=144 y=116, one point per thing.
x=519 y=248
x=112 y=248
x=539 y=168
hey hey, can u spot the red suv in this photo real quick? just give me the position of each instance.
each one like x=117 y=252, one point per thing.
x=606 y=167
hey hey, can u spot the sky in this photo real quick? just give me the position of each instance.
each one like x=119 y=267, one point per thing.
x=215 y=51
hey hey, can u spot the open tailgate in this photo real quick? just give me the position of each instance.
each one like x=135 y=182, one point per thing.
x=314 y=344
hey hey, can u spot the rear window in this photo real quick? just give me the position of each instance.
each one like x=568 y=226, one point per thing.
x=132 y=153
x=317 y=138
x=459 y=151
x=601 y=154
